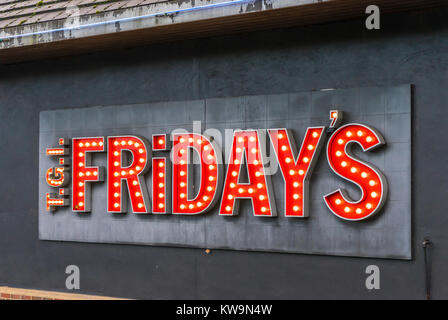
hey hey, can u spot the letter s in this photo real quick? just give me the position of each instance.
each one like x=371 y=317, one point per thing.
x=370 y=180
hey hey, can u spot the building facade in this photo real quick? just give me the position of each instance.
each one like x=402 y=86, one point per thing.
x=111 y=77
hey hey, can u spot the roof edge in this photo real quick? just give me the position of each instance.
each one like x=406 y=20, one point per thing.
x=170 y=21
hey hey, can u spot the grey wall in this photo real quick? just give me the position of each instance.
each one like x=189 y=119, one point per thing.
x=410 y=48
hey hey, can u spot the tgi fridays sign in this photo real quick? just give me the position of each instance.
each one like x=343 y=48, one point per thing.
x=168 y=181
x=248 y=152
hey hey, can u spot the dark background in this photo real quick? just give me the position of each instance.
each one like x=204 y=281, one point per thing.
x=410 y=48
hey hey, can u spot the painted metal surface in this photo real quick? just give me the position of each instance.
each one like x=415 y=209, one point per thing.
x=387 y=235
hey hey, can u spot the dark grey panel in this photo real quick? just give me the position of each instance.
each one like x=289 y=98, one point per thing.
x=387 y=235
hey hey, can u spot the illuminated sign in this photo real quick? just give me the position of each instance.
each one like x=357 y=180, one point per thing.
x=130 y=157
x=369 y=179
x=320 y=172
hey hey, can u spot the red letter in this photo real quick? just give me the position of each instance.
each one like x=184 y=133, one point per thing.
x=211 y=173
x=82 y=172
x=371 y=181
x=58 y=177
x=52 y=201
x=132 y=173
x=296 y=170
x=161 y=184
x=246 y=148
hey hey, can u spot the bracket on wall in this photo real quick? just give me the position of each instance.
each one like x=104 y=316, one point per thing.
x=426 y=244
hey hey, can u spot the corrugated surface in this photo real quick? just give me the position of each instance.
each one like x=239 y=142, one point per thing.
x=24 y=12
x=257 y=15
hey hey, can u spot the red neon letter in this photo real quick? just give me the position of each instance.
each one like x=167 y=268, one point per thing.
x=161 y=184
x=246 y=148
x=371 y=181
x=52 y=201
x=83 y=172
x=296 y=170
x=211 y=173
x=58 y=177
x=132 y=173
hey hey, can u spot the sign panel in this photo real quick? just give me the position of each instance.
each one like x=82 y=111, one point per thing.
x=321 y=172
